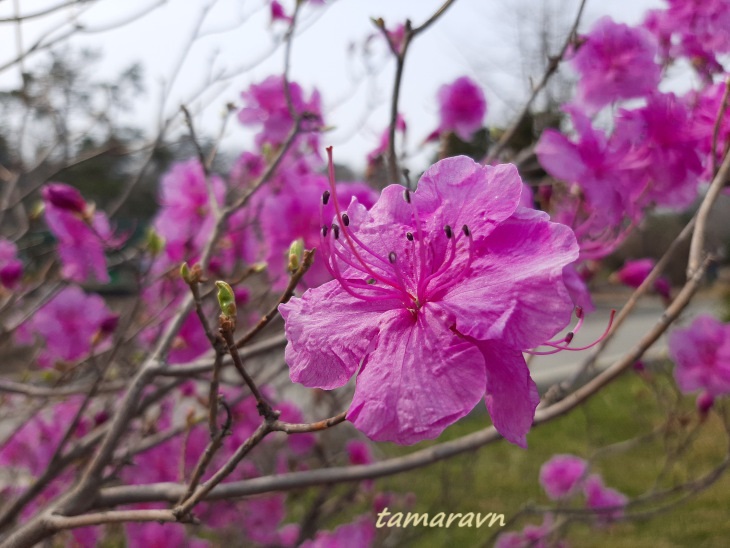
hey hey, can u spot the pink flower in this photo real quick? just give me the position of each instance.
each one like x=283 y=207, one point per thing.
x=185 y=219
x=561 y=475
x=703 y=117
x=293 y=213
x=278 y=13
x=462 y=107
x=600 y=498
x=701 y=353
x=599 y=169
x=633 y=274
x=615 y=62
x=434 y=298
x=358 y=452
x=661 y=133
x=359 y=534
x=11 y=269
x=81 y=233
x=266 y=106
x=70 y=324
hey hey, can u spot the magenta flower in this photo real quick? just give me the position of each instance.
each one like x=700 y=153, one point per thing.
x=70 y=324
x=601 y=498
x=561 y=475
x=266 y=106
x=278 y=13
x=11 y=269
x=701 y=353
x=615 y=62
x=599 y=170
x=435 y=296
x=661 y=133
x=81 y=233
x=462 y=107
x=633 y=274
x=185 y=219
x=358 y=452
x=293 y=213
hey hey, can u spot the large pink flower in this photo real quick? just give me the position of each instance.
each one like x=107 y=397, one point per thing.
x=601 y=498
x=434 y=298
x=615 y=62
x=462 y=107
x=701 y=353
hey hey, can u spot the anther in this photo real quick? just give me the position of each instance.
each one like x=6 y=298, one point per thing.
x=324 y=231
x=447 y=229
x=579 y=312
x=336 y=231
x=392 y=257
x=407 y=195
x=325 y=197
x=569 y=337
x=466 y=231
x=345 y=219
x=409 y=235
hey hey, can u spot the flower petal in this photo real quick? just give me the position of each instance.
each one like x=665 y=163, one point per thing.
x=516 y=292
x=511 y=393
x=329 y=332
x=420 y=378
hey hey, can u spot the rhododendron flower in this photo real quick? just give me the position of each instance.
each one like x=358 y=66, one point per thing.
x=81 y=233
x=11 y=269
x=70 y=324
x=615 y=62
x=278 y=13
x=185 y=219
x=701 y=353
x=266 y=105
x=599 y=169
x=561 y=475
x=462 y=107
x=599 y=497
x=633 y=274
x=661 y=133
x=436 y=294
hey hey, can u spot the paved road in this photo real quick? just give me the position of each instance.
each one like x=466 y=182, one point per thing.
x=550 y=369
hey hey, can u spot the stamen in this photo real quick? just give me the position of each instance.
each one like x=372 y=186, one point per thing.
x=448 y=231
x=407 y=195
x=392 y=257
x=345 y=219
x=409 y=235
x=466 y=231
x=336 y=231
x=558 y=347
x=324 y=231
x=325 y=197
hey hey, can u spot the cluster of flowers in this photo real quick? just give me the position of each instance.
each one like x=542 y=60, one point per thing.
x=566 y=479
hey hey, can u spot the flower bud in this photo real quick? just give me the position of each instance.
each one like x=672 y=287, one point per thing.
x=64 y=197
x=226 y=299
x=296 y=250
x=185 y=273
x=154 y=242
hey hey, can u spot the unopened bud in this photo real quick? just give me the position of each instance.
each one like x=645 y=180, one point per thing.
x=64 y=197
x=154 y=242
x=296 y=250
x=185 y=273
x=226 y=299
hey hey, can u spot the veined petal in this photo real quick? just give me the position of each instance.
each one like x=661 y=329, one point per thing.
x=328 y=332
x=420 y=378
x=511 y=393
x=515 y=292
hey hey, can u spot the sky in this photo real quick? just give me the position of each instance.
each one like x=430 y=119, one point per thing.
x=483 y=39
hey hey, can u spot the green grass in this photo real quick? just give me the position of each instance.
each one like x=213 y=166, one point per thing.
x=502 y=478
